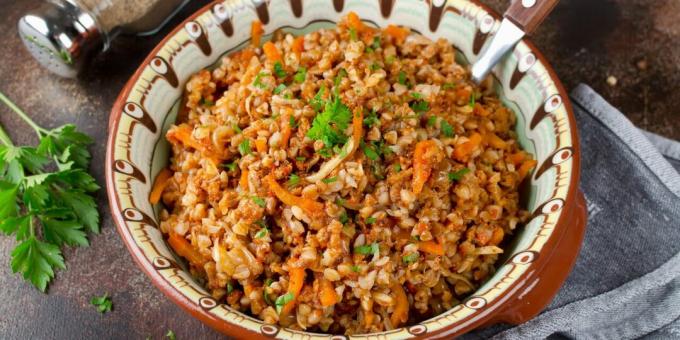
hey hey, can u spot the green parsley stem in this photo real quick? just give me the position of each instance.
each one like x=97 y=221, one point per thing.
x=4 y=138
x=40 y=131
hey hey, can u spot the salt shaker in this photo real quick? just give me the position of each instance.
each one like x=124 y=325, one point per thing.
x=64 y=34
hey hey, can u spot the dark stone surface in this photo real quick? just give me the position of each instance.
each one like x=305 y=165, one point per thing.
x=585 y=40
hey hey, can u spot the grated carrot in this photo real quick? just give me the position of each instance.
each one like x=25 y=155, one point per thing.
x=421 y=164
x=354 y=22
x=462 y=151
x=184 y=134
x=271 y=52
x=526 y=168
x=298 y=46
x=396 y=32
x=431 y=247
x=161 y=182
x=517 y=158
x=311 y=207
x=243 y=181
x=256 y=32
x=183 y=248
x=480 y=110
x=327 y=295
x=492 y=139
x=296 y=279
x=400 y=313
x=261 y=145
x=286 y=129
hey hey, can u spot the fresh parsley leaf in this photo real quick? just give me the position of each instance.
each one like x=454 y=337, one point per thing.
x=236 y=128
x=329 y=125
x=343 y=218
x=206 y=102
x=103 y=303
x=446 y=128
x=375 y=67
x=300 y=158
x=397 y=167
x=458 y=175
x=56 y=142
x=8 y=198
x=420 y=106
x=376 y=43
x=472 y=100
x=370 y=220
x=330 y=179
x=318 y=102
x=401 y=78
x=352 y=34
x=339 y=202
x=371 y=119
x=367 y=249
x=410 y=258
x=448 y=86
x=293 y=180
x=283 y=300
x=244 y=147
x=370 y=151
x=259 y=201
x=431 y=121
x=36 y=261
x=278 y=70
x=342 y=73
x=231 y=166
x=300 y=75
x=230 y=288
x=292 y=123
x=258 y=80
x=262 y=233
x=355 y=268
x=390 y=59
x=279 y=89
x=170 y=335
x=416 y=95
x=60 y=230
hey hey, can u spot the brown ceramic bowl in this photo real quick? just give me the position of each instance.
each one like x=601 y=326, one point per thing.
x=542 y=252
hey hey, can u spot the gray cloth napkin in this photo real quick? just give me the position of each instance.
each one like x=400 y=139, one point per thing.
x=626 y=281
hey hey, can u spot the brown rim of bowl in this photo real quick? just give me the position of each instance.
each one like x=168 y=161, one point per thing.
x=231 y=329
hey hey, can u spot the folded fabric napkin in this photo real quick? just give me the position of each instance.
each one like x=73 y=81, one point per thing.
x=626 y=281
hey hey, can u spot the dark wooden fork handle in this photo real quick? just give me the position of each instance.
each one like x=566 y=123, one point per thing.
x=528 y=14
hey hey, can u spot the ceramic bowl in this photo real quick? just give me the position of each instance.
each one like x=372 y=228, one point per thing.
x=536 y=262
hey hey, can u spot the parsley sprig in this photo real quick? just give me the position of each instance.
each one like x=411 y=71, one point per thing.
x=103 y=303
x=46 y=197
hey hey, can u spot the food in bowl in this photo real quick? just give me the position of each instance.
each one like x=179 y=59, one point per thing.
x=351 y=180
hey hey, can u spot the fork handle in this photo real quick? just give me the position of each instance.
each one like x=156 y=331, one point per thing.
x=528 y=14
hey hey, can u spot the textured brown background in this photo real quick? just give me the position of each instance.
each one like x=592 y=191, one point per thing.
x=585 y=40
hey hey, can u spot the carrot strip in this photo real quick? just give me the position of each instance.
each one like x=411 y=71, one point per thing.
x=431 y=247
x=183 y=248
x=421 y=164
x=526 y=168
x=462 y=151
x=495 y=141
x=396 y=32
x=184 y=134
x=354 y=22
x=496 y=236
x=327 y=296
x=480 y=111
x=286 y=129
x=311 y=207
x=298 y=46
x=368 y=317
x=400 y=313
x=271 y=52
x=463 y=92
x=243 y=181
x=161 y=182
x=517 y=158
x=296 y=279
x=256 y=32
x=261 y=145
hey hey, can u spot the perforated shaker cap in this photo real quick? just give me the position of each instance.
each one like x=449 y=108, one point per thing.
x=61 y=37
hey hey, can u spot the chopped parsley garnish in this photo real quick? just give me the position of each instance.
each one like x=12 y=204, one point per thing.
x=401 y=78
x=287 y=96
x=390 y=59
x=262 y=233
x=244 y=147
x=230 y=288
x=472 y=100
x=292 y=123
x=457 y=175
x=330 y=179
x=329 y=125
x=339 y=201
x=420 y=106
x=207 y=102
x=342 y=73
x=416 y=95
x=293 y=180
x=397 y=167
x=371 y=119
x=410 y=258
x=367 y=249
x=343 y=218
x=352 y=33
x=355 y=268
x=376 y=43
x=279 y=89
x=231 y=166
x=447 y=129
x=370 y=152
x=170 y=335
x=283 y=300
x=448 y=86
x=370 y=220
x=431 y=121
x=258 y=80
x=317 y=102
x=236 y=128
x=103 y=303
x=261 y=223
x=278 y=70
x=375 y=67
x=300 y=158
x=259 y=201
x=300 y=75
